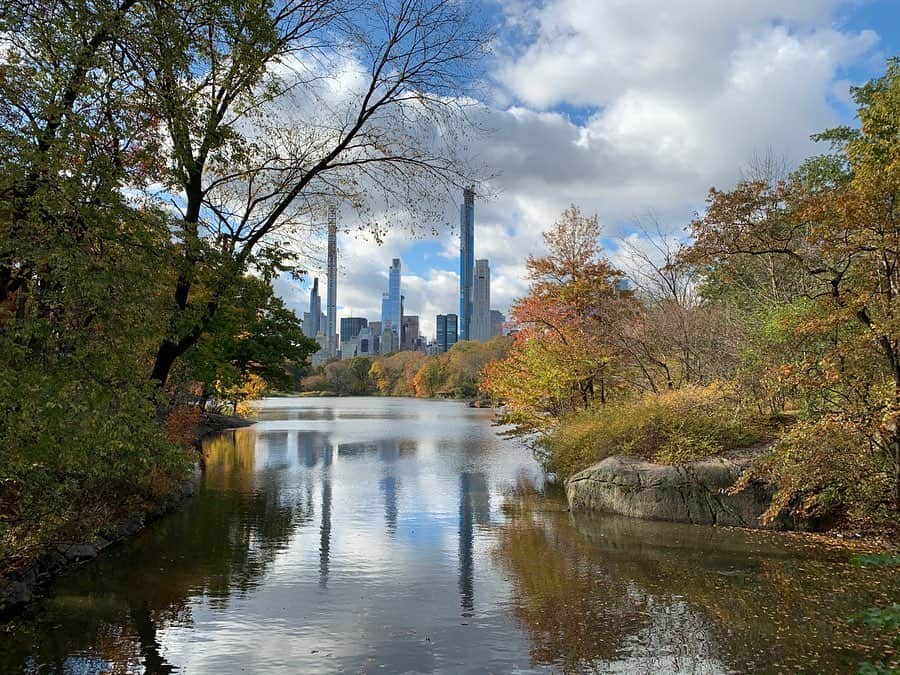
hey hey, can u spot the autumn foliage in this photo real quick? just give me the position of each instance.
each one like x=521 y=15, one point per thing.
x=782 y=307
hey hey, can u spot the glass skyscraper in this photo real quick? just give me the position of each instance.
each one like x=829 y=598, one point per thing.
x=466 y=263
x=391 y=302
x=312 y=318
x=447 y=331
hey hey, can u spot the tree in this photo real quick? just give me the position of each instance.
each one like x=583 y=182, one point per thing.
x=253 y=335
x=230 y=82
x=565 y=325
x=252 y=117
x=837 y=220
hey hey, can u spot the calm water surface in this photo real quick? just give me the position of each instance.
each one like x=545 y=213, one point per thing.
x=379 y=535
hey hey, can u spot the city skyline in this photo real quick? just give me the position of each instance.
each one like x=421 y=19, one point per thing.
x=644 y=145
x=395 y=329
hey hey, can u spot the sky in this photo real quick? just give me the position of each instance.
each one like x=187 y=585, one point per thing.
x=630 y=109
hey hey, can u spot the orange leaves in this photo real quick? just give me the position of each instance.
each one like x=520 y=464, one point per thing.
x=180 y=426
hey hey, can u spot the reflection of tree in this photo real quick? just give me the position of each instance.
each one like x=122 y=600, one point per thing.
x=686 y=598
x=768 y=603
x=576 y=615
x=219 y=544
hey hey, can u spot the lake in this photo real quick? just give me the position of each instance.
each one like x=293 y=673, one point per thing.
x=386 y=535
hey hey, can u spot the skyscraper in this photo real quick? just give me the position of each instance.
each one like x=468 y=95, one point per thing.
x=497 y=321
x=409 y=332
x=350 y=327
x=447 y=331
x=390 y=304
x=481 y=303
x=466 y=262
x=331 y=308
x=312 y=318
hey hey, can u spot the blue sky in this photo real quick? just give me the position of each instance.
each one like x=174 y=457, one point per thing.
x=630 y=110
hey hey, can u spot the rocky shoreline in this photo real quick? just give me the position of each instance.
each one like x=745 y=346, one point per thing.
x=19 y=587
x=694 y=492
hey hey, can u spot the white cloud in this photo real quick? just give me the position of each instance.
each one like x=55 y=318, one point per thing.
x=625 y=108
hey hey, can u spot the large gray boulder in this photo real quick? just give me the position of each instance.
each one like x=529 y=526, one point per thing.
x=695 y=492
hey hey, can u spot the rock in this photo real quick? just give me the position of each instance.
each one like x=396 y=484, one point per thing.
x=124 y=529
x=14 y=594
x=78 y=552
x=686 y=493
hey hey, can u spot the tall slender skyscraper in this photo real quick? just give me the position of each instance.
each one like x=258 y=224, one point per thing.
x=394 y=296
x=481 y=305
x=466 y=262
x=331 y=308
x=311 y=319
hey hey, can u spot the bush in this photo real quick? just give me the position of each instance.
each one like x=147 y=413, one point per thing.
x=677 y=426
x=828 y=469
x=79 y=456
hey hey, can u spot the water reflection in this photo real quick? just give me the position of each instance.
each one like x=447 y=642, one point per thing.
x=367 y=534
x=325 y=532
x=474 y=508
x=607 y=594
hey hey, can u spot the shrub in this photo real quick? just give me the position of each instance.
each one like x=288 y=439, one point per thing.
x=673 y=427
x=828 y=469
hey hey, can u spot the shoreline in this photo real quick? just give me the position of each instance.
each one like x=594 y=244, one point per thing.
x=20 y=587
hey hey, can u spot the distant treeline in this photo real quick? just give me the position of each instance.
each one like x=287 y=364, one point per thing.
x=454 y=374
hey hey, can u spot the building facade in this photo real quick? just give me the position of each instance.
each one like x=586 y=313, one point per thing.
x=331 y=307
x=447 y=331
x=350 y=327
x=409 y=333
x=375 y=330
x=481 y=303
x=497 y=321
x=466 y=262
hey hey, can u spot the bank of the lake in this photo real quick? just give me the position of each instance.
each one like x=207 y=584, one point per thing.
x=378 y=533
x=23 y=585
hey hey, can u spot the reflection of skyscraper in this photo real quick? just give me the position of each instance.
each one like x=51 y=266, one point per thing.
x=325 y=532
x=481 y=304
x=474 y=507
x=331 y=307
x=466 y=262
x=389 y=488
x=447 y=334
